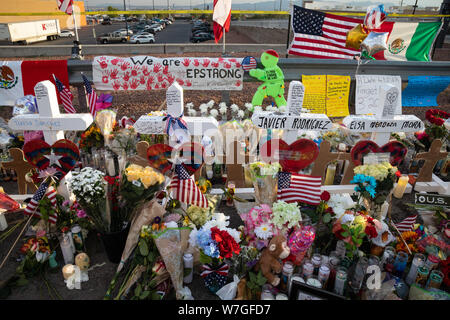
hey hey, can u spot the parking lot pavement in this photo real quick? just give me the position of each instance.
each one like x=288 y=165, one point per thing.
x=177 y=32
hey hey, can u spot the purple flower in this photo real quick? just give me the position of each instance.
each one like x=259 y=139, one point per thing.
x=103 y=102
x=66 y=203
x=81 y=214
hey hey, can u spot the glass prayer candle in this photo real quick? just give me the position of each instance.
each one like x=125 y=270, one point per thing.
x=374 y=260
x=400 y=188
x=400 y=263
x=331 y=172
x=188 y=261
x=267 y=295
x=324 y=274
x=418 y=261
x=316 y=261
x=435 y=279
x=231 y=189
x=296 y=277
x=288 y=269
x=388 y=259
x=308 y=269
x=340 y=248
x=358 y=275
x=325 y=260
x=314 y=282
x=3 y=223
x=422 y=276
x=66 y=249
x=432 y=262
x=340 y=280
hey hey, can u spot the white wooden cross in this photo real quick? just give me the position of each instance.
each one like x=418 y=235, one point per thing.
x=293 y=120
x=51 y=121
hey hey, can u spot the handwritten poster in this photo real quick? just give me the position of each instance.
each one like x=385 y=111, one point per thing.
x=367 y=98
x=315 y=92
x=338 y=88
x=422 y=91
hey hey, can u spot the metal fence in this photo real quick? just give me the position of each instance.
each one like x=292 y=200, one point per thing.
x=294 y=68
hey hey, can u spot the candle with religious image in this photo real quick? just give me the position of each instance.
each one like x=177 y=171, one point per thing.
x=66 y=249
x=340 y=280
x=188 y=260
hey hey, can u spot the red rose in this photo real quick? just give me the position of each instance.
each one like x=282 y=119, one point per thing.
x=330 y=210
x=325 y=196
x=438 y=121
x=371 y=231
x=225 y=242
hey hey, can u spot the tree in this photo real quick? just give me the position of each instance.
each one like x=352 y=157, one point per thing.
x=110 y=8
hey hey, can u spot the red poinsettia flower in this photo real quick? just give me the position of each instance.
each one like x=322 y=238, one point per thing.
x=325 y=196
x=225 y=242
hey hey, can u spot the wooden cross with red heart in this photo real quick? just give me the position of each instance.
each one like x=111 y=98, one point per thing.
x=63 y=155
x=193 y=155
x=292 y=157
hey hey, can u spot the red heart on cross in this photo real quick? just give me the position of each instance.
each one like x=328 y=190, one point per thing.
x=292 y=157
x=159 y=156
x=396 y=149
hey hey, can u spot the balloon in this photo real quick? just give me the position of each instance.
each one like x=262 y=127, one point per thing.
x=25 y=105
x=374 y=17
x=355 y=36
x=375 y=42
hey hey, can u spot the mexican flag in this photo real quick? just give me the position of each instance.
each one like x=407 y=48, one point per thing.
x=408 y=41
x=18 y=78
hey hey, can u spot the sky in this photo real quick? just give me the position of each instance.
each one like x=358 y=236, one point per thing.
x=119 y=3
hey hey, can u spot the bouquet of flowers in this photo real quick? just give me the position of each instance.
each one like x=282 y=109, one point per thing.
x=215 y=242
x=434 y=129
x=285 y=216
x=374 y=183
x=258 y=227
x=88 y=185
x=72 y=214
x=91 y=138
x=264 y=177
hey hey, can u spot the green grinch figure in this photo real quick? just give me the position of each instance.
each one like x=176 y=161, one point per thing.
x=273 y=79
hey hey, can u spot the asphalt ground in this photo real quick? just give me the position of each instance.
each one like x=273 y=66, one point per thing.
x=177 y=32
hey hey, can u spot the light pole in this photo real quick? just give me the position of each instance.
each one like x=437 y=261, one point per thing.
x=280 y=4
x=415 y=6
x=126 y=22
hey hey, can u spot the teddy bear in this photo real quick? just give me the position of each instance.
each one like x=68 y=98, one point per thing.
x=269 y=262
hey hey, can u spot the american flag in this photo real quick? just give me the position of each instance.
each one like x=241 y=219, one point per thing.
x=321 y=35
x=184 y=189
x=407 y=224
x=249 y=63
x=65 y=6
x=294 y=187
x=66 y=96
x=49 y=192
x=91 y=95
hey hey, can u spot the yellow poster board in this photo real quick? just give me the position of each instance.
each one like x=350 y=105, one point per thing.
x=315 y=91
x=338 y=88
x=327 y=94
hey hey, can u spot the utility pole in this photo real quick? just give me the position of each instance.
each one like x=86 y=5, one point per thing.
x=415 y=6
x=126 y=22
x=280 y=4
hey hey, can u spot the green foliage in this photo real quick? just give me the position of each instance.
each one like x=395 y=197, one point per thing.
x=256 y=282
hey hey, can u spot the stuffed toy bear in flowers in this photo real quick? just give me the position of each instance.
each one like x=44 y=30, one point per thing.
x=269 y=262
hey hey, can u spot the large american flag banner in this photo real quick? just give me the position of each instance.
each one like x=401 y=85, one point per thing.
x=91 y=95
x=294 y=187
x=321 y=35
x=183 y=188
x=65 y=6
x=32 y=207
x=65 y=95
x=407 y=224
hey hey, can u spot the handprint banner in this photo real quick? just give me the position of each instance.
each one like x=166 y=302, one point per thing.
x=152 y=73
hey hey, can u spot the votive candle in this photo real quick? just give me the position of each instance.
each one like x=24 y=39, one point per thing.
x=400 y=188
x=66 y=249
x=418 y=261
x=331 y=172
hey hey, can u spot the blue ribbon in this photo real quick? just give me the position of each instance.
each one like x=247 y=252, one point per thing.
x=173 y=123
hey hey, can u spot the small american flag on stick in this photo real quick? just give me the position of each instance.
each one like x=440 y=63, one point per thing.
x=91 y=95
x=184 y=189
x=66 y=96
x=65 y=6
x=407 y=224
x=294 y=187
x=32 y=207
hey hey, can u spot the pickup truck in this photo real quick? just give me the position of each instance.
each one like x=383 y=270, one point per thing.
x=112 y=37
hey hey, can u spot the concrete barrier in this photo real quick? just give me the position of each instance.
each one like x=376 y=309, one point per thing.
x=133 y=49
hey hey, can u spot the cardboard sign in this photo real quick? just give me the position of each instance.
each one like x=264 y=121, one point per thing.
x=367 y=96
x=315 y=92
x=376 y=158
x=152 y=73
x=338 y=88
x=422 y=91
x=306 y=121
x=432 y=199
x=402 y=123
x=295 y=97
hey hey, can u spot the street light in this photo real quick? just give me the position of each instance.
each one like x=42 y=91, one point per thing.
x=126 y=22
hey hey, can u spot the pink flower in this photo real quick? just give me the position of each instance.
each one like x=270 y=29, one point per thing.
x=81 y=214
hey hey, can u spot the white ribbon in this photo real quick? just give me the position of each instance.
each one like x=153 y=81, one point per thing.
x=228 y=291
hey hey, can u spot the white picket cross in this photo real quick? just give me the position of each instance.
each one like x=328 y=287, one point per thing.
x=51 y=121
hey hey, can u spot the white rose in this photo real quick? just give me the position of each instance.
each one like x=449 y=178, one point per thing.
x=213 y=113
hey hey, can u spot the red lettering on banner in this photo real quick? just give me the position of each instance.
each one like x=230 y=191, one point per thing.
x=43 y=27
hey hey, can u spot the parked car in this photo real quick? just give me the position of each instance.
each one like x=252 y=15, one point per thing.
x=200 y=37
x=67 y=34
x=145 y=33
x=157 y=27
x=112 y=37
x=149 y=29
x=142 y=39
x=106 y=21
x=201 y=31
x=202 y=28
x=124 y=31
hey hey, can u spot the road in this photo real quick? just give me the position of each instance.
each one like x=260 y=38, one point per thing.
x=177 y=32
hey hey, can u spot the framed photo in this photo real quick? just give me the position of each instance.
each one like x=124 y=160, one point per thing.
x=302 y=291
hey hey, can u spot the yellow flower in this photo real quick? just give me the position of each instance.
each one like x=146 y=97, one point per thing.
x=359 y=220
x=186 y=221
x=132 y=175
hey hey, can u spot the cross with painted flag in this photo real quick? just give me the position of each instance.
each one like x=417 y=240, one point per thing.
x=65 y=6
x=91 y=95
x=32 y=207
x=248 y=63
x=184 y=189
x=294 y=187
x=65 y=95
x=407 y=224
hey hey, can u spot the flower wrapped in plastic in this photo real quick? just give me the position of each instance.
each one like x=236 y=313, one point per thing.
x=265 y=182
